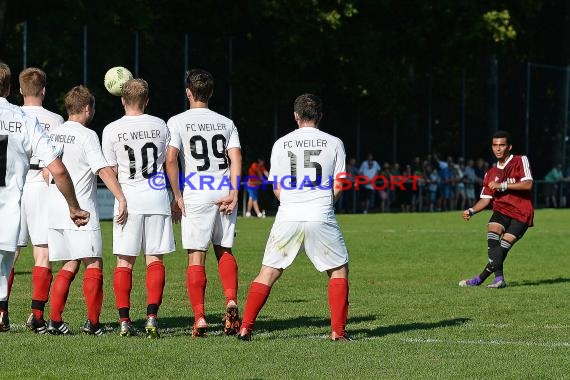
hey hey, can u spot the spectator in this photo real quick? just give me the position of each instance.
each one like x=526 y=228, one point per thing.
x=369 y=168
x=551 y=187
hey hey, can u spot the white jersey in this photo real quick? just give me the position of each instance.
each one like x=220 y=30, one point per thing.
x=137 y=146
x=83 y=158
x=48 y=120
x=204 y=137
x=20 y=137
x=305 y=163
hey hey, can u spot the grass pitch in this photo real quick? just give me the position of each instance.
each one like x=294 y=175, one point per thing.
x=409 y=317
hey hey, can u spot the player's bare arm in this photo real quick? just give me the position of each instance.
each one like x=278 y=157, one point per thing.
x=172 y=172
x=337 y=190
x=477 y=207
x=518 y=186
x=277 y=190
x=63 y=182
x=229 y=203
x=109 y=177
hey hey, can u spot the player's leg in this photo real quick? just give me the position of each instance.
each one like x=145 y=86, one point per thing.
x=223 y=240
x=11 y=275
x=41 y=283
x=6 y=265
x=256 y=298
x=513 y=233
x=59 y=293
x=325 y=247
x=282 y=247
x=197 y=228
x=338 y=301
x=495 y=229
x=122 y=285
x=158 y=241
x=93 y=293
x=127 y=242
x=196 y=285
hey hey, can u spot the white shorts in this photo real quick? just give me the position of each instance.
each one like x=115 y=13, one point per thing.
x=74 y=244
x=34 y=215
x=204 y=223
x=322 y=242
x=151 y=233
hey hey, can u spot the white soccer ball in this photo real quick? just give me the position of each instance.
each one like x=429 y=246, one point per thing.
x=115 y=77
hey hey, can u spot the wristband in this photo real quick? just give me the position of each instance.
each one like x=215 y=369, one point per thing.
x=503 y=186
x=471 y=211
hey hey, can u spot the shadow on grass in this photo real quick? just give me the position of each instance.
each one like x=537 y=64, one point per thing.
x=303 y=322
x=397 y=329
x=547 y=281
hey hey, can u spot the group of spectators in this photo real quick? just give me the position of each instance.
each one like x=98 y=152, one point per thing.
x=439 y=185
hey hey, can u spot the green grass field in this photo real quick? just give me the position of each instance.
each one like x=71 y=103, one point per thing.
x=409 y=317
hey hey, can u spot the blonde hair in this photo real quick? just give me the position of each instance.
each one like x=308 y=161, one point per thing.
x=5 y=78
x=32 y=81
x=77 y=99
x=135 y=92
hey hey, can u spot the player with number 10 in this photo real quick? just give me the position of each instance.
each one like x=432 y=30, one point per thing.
x=135 y=147
x=210 y=146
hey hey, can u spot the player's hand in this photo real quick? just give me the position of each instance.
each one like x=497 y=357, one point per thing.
x=466 y=215
x=227 y=204
x=180 y=204
x=494 y=185
x=121 y=217
x=80 y=217
x=175 y=212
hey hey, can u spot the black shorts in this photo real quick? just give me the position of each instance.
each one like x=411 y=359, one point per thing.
x=510 y=225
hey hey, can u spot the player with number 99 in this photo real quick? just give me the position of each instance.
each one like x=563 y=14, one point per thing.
x=212 y=157
x=135 y=146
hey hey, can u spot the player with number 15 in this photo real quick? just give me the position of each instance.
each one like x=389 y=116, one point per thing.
x=212 y=161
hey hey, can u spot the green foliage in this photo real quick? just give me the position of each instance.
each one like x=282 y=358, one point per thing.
x=409 y=317
x=498 y=24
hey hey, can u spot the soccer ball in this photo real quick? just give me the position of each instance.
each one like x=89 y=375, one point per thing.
x=114 y=79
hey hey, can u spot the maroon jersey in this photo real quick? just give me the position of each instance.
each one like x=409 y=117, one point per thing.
x=515 y=204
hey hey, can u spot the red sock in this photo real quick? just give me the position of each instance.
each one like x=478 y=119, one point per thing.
x=258 y=294
x=338 y=303
x=93 y=293
x=10 y=281
x=227 y=267
x=154 y=286
x=122 y=285
x=196 y=285
x=59 y=292
x=41 y=280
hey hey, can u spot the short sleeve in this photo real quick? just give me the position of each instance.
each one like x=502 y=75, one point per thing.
x=175 y=138
x=276 y=170
x=234 y=138
x=485 y=191
x=108 y=147
x=93 y=153
x=340 y=160
x=524 y=170
x=41 y=145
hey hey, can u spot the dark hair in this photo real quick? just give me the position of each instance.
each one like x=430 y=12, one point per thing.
x=309 y=107
x=503 y=135
x=5 y=77
x=201 y=84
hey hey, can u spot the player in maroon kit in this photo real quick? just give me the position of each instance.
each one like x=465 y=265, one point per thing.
x=509 y=186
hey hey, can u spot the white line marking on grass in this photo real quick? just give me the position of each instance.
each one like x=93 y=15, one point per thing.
x=488 y=342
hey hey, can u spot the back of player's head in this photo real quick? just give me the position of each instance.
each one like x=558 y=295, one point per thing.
x=201 y=84
x=32 y=81
x=503 y=135
x=5 y=78
x=77 y=99
x=135 y=92
x=308 y=107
